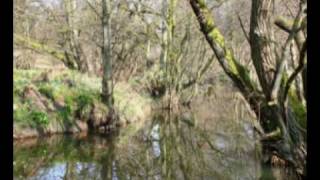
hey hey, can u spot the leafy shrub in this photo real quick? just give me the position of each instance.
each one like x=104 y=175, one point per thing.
x=84 y=100
x=39 y=118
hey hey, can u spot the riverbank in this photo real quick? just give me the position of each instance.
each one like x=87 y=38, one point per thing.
x=51 y=102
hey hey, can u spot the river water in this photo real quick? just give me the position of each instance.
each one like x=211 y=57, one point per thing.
x=162 y=147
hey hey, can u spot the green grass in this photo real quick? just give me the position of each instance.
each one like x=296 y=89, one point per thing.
x=78 y=97
x=76 y=100
x=30 y=116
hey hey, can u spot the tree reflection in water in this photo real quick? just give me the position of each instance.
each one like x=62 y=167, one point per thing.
x=167 y=147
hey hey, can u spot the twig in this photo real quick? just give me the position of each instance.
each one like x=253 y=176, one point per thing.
x=94 y=9
x=243 y=29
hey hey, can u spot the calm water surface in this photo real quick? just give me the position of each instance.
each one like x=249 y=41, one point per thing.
x=162 y=147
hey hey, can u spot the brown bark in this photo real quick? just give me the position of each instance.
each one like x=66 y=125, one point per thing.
x=262 y=44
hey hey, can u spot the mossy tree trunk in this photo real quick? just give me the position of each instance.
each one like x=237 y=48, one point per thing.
x=282 y=134
x=164 y=36
x=107 y=93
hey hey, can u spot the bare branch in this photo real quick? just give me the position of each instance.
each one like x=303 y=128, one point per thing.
x=94 y=9
x=278 y=76
x=287 y=25
x=284 y=24
x=243 y=29
x=296 y=71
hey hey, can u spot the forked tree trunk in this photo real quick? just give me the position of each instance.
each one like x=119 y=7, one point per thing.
x=73 y=34
x=282 y=134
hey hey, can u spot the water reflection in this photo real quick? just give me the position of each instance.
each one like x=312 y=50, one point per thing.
x=166 y=147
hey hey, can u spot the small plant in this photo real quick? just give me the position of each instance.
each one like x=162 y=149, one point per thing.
x=84 y=100
x=39 y=118
x=47 y=91
x=65 y=112
x=20 y=114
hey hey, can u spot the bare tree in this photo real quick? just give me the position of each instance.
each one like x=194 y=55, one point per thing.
x=73 y=33
x=282 y=133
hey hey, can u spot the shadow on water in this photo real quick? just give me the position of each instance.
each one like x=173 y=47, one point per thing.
x=166 y=147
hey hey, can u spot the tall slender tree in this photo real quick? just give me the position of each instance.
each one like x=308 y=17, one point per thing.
x=106 y=53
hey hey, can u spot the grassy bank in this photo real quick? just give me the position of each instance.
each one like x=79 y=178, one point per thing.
x=48 y=102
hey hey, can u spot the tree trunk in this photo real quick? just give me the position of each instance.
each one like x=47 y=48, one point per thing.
x=73 y=34
x=106 y=53
x=164 y=36
x=289 y=143
x=262 y=44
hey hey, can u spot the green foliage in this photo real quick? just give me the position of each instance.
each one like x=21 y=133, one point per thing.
x=22 y=78
x=28 y=115
x=299 y=109
x=75 y=102
x=66 y=112
x=47 y=91
x=39 y=118
x=84 y=102
x=21 y=114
